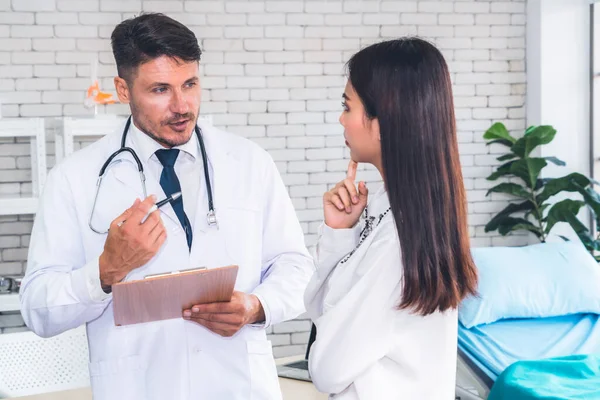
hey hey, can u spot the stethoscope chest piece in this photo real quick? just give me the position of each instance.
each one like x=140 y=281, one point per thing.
x=211 y=218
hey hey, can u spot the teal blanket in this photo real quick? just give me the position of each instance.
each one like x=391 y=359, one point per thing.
x=572 y=377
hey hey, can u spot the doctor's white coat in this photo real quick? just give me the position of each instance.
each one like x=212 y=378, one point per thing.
x=172 y=359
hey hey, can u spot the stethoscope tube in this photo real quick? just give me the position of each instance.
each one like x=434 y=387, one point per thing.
x=211 y=207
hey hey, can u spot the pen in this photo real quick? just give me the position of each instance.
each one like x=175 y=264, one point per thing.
x=159 y=204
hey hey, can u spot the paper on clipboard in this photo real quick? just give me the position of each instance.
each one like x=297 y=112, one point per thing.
x=166 y=296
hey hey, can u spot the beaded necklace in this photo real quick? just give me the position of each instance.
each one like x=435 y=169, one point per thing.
x=369 y=226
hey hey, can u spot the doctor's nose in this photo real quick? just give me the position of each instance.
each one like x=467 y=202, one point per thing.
x=179 y=104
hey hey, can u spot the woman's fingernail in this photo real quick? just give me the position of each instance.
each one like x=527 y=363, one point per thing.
x=187 y=314
x=355 y=198
x=195 y=309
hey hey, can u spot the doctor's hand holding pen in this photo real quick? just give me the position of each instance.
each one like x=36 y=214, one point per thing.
x=133 y=239
x=343 y=204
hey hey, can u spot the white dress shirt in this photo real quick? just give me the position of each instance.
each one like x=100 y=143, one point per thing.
x=366 y=348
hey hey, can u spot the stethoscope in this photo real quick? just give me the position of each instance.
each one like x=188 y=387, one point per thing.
x=211 y=217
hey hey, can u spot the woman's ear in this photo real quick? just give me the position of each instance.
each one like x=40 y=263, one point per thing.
x=375 y=129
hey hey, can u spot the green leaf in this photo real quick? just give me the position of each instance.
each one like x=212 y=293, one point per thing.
x=541 y=209
x=510 y=188
x=531 y=128
x=510 y=224
x=508 y=210
x=591 y=198
x=590 y=244
x=545 y=132
x=498 y=131
x=565 y=211
x=534 y=137
x=502 y=170
x=504 y=142
x=506 y=157
x=569 y=183
x=528 y=169
x=542 y=182
x=555 y=161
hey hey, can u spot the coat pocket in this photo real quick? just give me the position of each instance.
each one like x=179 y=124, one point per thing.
x=121 y=378
x=265 y=383
x=244 y=232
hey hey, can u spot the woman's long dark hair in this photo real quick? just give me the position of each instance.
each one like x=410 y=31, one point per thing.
x=406 y=85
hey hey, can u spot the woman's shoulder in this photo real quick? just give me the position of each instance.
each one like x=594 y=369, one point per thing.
x=382 y=253
x=385 y=237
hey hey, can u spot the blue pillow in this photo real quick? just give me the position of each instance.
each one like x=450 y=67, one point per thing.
x=538 y=281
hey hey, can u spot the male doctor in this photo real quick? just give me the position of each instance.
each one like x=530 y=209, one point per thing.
x=80 y=248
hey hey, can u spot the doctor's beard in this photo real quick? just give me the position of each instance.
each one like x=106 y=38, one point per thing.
x=166 y=132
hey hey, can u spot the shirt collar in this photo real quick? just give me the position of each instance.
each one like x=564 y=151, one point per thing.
x=145 y=146
x=379 y=202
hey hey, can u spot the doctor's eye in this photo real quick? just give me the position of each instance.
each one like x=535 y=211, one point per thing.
x=190 y=84
x=159 y=89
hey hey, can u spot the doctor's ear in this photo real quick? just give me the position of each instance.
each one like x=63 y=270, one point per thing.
x=122 y=89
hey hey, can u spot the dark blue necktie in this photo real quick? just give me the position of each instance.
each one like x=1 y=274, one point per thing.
x=170 y=185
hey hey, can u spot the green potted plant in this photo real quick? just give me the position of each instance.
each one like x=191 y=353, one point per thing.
x=534 y=211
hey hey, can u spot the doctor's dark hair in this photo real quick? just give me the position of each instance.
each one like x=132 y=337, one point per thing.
x=138 y=40
x=406 y=85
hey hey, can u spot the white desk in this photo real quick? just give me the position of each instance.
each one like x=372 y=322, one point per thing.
x=291 y=389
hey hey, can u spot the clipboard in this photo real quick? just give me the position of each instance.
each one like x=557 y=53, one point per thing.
x=165 y=296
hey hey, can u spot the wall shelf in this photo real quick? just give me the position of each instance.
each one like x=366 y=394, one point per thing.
x=18 y=205
x=9 y=302
x=33 y=128
x=71 y=128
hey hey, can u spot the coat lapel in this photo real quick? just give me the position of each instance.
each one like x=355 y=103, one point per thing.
x=222 y=166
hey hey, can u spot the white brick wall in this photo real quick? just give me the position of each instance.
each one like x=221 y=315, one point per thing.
x=273 y=72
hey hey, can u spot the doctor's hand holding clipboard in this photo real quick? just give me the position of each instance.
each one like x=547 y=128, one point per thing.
x=227 y=318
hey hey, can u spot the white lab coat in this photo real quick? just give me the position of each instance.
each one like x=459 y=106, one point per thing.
x=366 y=348
x=172 y=359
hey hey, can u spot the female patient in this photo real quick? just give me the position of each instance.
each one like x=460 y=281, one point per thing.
x=385 y=293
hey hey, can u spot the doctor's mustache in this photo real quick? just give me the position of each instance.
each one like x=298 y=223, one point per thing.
x=178 y=118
